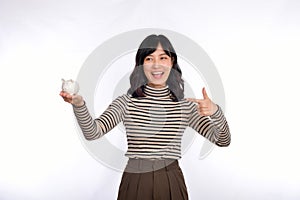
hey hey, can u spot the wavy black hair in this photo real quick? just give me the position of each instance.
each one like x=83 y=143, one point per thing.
x=138 y=78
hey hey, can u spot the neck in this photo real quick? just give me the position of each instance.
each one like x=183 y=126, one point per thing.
x=161 y=93
x=156 y=85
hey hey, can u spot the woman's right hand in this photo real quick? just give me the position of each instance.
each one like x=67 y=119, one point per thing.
x=75 y=100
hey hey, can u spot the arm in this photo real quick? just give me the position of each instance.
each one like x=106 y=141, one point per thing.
x=95 y=128
x=214 y=128
x=208 y=119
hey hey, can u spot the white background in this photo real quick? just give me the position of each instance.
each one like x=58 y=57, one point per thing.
x=254 y=44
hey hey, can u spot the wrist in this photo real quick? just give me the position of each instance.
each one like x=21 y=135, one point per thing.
x=79 y=104
x=215 y=108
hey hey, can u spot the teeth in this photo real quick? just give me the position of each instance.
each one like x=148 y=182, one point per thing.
x=157 y=73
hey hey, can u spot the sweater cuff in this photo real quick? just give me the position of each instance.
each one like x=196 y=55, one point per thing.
x=217 y=113
x=79 y=107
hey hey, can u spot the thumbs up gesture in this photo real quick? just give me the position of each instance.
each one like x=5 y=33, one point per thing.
x=205 y=106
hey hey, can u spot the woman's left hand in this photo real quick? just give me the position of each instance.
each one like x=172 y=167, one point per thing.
x=205 y=106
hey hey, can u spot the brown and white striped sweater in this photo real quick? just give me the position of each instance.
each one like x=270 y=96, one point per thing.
x=154 y=124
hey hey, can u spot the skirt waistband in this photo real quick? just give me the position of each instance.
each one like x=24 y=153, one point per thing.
x=146 y=165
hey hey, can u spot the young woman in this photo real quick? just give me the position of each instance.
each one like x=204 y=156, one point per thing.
x=155 y=115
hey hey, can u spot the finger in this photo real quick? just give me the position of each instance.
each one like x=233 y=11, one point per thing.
x=192 y=100
x=67 y=97
x=63 y=94
x=203 y=106
x=203 y=102
x=205 y=109
x=202 y=112
x=205 y=96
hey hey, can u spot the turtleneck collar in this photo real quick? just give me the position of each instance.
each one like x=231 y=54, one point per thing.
x=163 y=92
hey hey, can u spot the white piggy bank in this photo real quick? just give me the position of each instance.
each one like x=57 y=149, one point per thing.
x=70 y=86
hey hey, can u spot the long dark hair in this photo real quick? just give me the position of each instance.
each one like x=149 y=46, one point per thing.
x=138 y=78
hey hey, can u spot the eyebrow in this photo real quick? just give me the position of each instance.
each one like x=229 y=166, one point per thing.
x=162 y=54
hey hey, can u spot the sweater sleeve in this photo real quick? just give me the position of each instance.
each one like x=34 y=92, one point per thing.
x=215 y=127
x=95 y=128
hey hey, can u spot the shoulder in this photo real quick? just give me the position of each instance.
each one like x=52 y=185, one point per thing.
x=120 y=102
x=122 y=99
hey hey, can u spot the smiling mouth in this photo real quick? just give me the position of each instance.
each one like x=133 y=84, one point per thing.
x=157 y=75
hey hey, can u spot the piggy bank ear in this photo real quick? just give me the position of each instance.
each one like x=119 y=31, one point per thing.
x=63 y=80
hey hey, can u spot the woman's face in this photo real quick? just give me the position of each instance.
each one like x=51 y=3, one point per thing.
x=157 y=67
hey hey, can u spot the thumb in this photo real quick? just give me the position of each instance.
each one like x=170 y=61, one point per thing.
x=205 y=96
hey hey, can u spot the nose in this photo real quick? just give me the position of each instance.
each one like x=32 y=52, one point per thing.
x=156 y=63
x=155 y=66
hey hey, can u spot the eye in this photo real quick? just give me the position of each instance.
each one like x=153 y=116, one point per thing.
x=148 y=59
x=164 y=58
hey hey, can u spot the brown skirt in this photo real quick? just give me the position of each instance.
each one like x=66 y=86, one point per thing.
x=152 y=180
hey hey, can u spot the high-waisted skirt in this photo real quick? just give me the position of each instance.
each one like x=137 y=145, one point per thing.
x=152 y=180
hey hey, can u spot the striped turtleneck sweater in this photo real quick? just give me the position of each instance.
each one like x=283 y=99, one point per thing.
x=154 y=124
